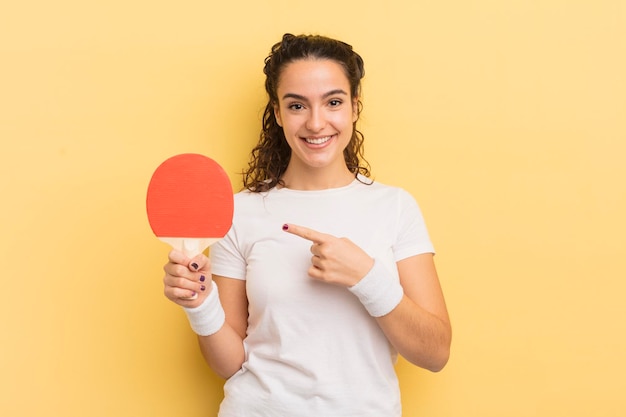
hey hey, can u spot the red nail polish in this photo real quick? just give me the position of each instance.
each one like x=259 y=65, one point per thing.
x=285 y=227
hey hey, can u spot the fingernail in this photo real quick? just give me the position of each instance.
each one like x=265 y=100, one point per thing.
x=202 y=278
x=194 y=265
x=202 y=288
x=285 y=227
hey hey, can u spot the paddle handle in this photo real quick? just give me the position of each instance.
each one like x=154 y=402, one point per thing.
x=190 y=247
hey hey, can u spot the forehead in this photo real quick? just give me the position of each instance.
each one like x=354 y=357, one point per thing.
x=313 y=76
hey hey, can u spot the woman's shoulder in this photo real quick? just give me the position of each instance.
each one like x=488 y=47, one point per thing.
x=246 y=195
x=374 y=185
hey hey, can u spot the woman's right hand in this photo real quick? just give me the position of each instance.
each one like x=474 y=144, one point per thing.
x=187 y=281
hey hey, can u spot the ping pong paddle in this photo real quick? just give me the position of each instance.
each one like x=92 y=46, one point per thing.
x=190 y=202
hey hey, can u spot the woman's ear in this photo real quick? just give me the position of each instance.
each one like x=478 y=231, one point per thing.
x=279 y=120
x=355 y=109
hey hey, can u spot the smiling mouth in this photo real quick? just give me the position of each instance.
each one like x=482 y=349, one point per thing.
x=318 y=141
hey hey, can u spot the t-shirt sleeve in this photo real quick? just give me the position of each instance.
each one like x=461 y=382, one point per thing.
x=412 y=234
x=226 y=257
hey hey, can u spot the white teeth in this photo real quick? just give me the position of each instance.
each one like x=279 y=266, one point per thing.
x=317 y=141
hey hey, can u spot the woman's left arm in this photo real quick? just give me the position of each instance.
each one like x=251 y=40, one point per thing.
x=419 y=327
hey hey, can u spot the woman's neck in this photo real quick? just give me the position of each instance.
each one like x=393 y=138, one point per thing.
x=316 y=178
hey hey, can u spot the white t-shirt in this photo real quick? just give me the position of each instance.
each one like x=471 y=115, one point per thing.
x=311 y=348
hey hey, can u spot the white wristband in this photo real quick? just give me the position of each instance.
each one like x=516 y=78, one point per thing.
x=378 y=291
x=209 y=316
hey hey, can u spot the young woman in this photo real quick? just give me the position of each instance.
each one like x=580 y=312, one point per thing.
x=325 y=274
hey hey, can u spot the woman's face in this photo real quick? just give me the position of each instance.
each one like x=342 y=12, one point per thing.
x=316 y=113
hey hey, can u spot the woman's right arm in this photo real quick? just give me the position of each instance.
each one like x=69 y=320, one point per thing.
x=223 y=350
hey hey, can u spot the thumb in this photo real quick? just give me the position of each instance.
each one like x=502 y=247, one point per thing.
x=199 y=263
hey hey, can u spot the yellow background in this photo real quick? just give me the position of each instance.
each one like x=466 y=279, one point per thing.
x=505 y=119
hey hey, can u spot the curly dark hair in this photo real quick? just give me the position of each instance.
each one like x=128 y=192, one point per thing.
x=270 y=157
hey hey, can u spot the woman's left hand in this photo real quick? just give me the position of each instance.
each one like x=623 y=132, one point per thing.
x=335 y=260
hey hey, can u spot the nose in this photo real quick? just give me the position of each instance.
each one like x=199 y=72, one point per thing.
x=316 y=120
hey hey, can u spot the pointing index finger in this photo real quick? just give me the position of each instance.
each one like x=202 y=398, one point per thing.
x=306 y=233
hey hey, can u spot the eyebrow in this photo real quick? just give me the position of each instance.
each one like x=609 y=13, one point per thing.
x=330 y=93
